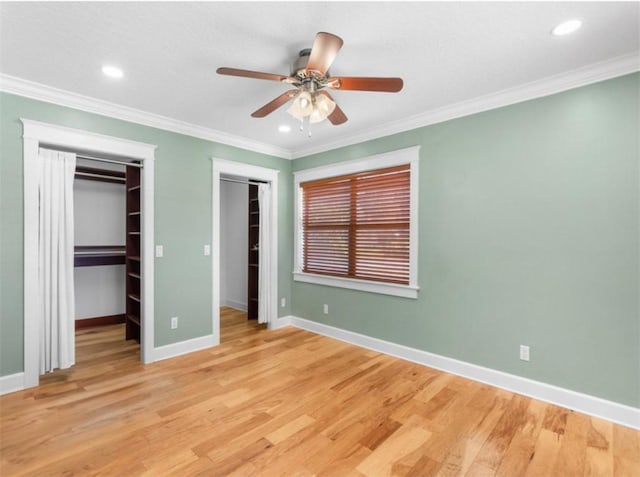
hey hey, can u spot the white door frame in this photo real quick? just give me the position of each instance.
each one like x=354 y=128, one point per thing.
x=221 y=166
x=35 y=134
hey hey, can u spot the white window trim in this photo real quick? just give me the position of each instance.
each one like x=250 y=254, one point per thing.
x=411 y=156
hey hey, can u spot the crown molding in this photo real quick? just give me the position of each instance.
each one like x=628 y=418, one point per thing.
x=583 y=76
x=41 y=92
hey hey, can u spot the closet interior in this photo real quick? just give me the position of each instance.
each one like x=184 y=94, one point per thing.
x=239 y=244
x=107 y=249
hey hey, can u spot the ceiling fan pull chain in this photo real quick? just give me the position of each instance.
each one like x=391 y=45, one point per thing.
x=305 y=122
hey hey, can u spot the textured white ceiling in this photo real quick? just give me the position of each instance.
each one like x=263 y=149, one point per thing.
x=445 y=52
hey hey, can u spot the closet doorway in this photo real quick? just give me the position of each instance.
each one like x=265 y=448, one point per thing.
x=245 y=258
x=240 y=219
x=234 y=245
x=37 y=135
x=107 y=238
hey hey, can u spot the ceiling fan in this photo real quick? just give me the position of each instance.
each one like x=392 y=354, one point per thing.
x=310 y=76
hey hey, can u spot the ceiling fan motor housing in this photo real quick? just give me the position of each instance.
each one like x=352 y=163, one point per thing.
x=306 y=80
x=300 y=63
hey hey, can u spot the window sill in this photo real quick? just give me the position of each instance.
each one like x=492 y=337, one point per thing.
x=405 y=291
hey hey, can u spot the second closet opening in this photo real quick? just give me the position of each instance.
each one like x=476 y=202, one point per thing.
x=239 y=251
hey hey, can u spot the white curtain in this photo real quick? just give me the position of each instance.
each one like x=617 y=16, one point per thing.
x=55 y=260
x=264 y=260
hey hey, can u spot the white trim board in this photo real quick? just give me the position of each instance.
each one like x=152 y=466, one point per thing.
x=11 y=383
x=35 y=134
x=49 y=94
x=184 y=347
x=589 y=74
x=280 y=322
x=240 y=169
x=584 y=403
x=585 y=75
x=236 y=305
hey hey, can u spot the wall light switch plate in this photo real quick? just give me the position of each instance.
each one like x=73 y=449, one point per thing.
x=207 y=249
x=174 y=323
x=159 y=251
x=524 y=353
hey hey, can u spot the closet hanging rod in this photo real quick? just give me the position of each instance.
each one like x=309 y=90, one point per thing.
x=112 y=161
x=102 y=176
x=241 y=181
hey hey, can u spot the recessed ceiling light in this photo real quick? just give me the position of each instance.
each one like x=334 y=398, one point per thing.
x=565 y=28
x=112 y=71
x=284 y=128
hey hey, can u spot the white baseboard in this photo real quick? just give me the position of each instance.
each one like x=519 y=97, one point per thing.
x=235 y=304
x=584 y=403
x=15 y=382
x=280 y=322
x=11 y=383
x=183 y=347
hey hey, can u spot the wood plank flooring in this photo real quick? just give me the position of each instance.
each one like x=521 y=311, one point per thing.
x=290 y=403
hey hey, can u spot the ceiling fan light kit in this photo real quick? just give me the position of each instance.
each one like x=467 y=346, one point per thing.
x=310 y=75
x=302 y=106
x=323 y=109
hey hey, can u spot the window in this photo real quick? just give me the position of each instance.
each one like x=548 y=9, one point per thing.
x=357 y=224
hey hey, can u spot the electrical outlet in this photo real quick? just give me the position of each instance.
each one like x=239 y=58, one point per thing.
x=159 y=251
x=325 y=309
x=524 y=353
x=207 y=249
x=174 y=323
x=283 y=302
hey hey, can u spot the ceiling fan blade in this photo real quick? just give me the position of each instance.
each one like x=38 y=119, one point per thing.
x=387 y=85
x=325 y=48
x=254 y=74
x=338 y=116
x=271 y=106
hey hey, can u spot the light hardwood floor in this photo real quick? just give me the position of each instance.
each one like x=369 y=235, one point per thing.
x=290 y=403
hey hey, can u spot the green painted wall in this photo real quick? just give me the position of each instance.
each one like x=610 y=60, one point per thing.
x=529 y=234
x=182 y=220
